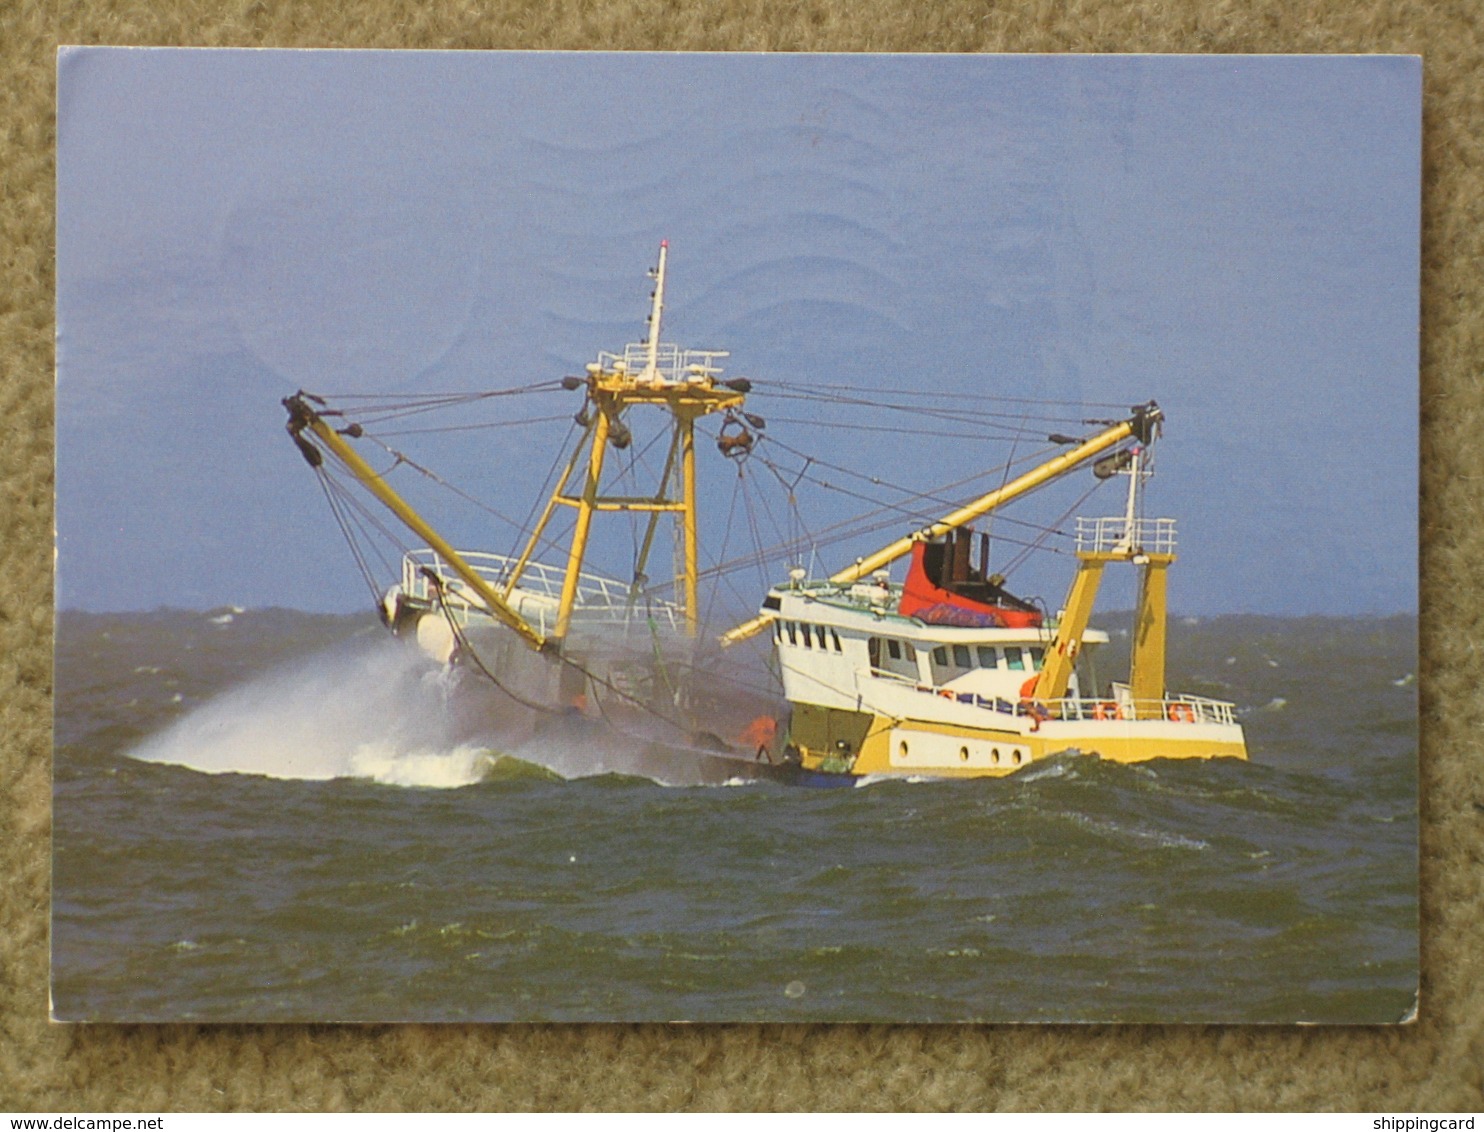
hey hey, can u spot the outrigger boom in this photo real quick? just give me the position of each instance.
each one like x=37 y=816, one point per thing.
x=1143 y=425
x=302 y=416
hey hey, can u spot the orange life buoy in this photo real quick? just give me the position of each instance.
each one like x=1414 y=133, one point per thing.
x=1182 y=713
x=1107 y=710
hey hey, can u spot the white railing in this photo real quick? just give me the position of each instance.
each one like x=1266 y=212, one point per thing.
x=1177 y=709
x=671 y=362
x=1115 y=532
x=598 y=598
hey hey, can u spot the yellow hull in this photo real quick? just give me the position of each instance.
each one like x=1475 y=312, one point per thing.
x=947 y=751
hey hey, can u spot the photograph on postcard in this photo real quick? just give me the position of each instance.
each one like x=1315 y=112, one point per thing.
x=586 y=536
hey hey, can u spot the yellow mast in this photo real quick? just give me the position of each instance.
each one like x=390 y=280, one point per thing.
x=1142 y=425
x=683 y=383
x=584 y=523
x=1119 y=540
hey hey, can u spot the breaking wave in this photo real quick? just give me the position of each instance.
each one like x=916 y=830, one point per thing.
x=377 y=712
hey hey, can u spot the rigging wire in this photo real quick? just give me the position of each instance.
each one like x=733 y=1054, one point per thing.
x=544 y=493
x=1015 y=563
x=855 y=526
x=737 y=486
x=935 y=497
x=346 y=533
x=918 y=515
x=476 y=427
x=986 y=417
x=989 y=522
x=940 y=394
x=369 y=519
x=412 y=404
x=897 y=431
x=402 y=458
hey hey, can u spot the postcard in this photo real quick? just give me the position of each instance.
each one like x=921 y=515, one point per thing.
x=588 y=537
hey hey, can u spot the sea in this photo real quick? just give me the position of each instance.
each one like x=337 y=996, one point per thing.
x=265 y=815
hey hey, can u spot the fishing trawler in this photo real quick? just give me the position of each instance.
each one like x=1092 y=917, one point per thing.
x=945 y=674
x=948 y=674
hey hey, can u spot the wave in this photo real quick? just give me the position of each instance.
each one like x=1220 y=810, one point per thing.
x=377 y=712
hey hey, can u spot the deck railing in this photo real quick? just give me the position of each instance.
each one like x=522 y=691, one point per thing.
x=599 y=599
x=1113 y=533
x=671 y=363
x=1178 y=709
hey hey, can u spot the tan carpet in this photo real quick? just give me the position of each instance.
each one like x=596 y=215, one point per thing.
x=1436 y=1064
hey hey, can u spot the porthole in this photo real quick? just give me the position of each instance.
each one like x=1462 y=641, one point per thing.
x=1015 y=757
x=963 y=754
x=994 y=756
x=902 y=748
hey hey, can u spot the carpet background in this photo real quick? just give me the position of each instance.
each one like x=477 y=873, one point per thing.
x=1435 y=1064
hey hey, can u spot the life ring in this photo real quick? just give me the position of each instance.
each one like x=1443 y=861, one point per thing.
x=1107 y=710
x=1182 y=713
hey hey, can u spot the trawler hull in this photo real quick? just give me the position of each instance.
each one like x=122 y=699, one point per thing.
x=875 y=692
x=944 y=750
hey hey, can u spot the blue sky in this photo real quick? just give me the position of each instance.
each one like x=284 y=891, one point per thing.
x=1235 y=237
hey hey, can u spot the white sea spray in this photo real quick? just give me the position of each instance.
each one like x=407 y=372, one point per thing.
x=377 y=711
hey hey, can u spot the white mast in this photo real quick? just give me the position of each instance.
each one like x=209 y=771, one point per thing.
x=651 y=368
x=1130 y=513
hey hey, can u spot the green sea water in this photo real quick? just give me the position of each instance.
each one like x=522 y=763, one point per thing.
x=264 y=815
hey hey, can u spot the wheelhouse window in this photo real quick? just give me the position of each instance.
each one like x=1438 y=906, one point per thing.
x=1013 y=658
x=834 y=636
x=792 y=636
x=989 y=656
x=961 y=656
x=891 y=654
x=1038 y=658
